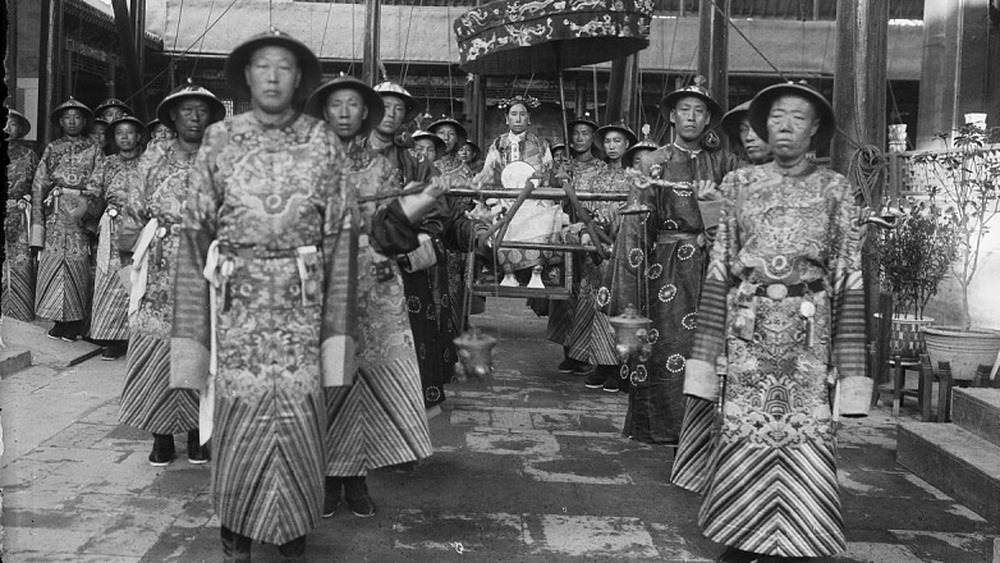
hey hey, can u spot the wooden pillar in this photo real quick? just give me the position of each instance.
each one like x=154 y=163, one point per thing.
x=959 y=69
x=623 y=90
x=49 y=86
x=137 y=17
x=127 y=44
x=859 y=103
x=373 y=24
x=713 y=51
x=859 y=100
x=11 y=75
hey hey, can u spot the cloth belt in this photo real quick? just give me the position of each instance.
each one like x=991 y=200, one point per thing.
x=778 y=291
x=251 y=252
x=216 y=285
x=140 y=264
x=670 y=237
x=104 y=258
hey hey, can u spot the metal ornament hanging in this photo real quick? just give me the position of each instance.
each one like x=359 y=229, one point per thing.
x=632 y=335
x=475 y=355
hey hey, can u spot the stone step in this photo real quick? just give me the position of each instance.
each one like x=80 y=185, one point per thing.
x=13 y=360
x=978 y=411
x=44 y=350
x=963 y=465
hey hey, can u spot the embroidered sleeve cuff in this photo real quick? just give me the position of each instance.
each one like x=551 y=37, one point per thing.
x=189 y=363
x=337 y=361
x=700 y=380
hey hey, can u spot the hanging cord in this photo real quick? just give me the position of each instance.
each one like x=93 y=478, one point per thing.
x=201 y=48
x=867 y=172
x=326 y=27
x=177 y=32
x=406 y=47
x=182 y=54
x=354 y=41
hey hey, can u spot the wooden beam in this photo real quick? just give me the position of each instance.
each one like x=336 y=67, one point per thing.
x=126 y=42
x=371 y=52
x=49 y=93
x=713 y=50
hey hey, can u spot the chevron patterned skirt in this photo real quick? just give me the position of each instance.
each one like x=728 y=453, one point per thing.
x=692 y=463
x=147 y=400
x=18 y=280
x=109 y=317
x=267 y=442
x=378 y=421
x=63 y=288
x=774 y=487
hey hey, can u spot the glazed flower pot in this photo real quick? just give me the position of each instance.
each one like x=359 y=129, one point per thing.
x=906 y=338
x=963 y=349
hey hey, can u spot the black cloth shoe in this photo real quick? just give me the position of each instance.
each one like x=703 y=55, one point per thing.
x=163 y=450
x=583 y=368
x=197 y=454
x=357 y=498
x=612 y=384
x=294 y=548
x=72 y=331
x=235 y=547
x=733 y=555
x=595 y=380
x=333 y=489
x=57 y=331
x=113 y=351
x=567 y=366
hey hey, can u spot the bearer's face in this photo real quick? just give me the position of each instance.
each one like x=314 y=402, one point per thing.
x=72 y=122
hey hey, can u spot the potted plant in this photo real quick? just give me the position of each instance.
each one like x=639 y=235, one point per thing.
x=966 y=180
x=913 y=258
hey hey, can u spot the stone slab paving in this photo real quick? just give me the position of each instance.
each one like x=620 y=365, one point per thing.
x=532 y=469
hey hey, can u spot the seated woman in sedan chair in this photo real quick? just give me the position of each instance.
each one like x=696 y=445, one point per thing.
x=512 y=160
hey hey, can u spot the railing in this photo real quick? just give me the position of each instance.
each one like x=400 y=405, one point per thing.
x=911 y=173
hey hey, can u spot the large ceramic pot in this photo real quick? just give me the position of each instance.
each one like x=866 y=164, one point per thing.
x=963 y=349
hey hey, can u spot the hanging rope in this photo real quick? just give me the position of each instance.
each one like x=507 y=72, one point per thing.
x=326 y=27
x=183 y=53
x=406 y=47
x=867 y=173
x=201 y=48
x=177 y=32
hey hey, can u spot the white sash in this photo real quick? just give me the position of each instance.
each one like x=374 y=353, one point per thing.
x=216 y=282
x=140 y=264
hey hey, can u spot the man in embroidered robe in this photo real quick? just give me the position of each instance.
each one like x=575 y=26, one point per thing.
x=65 y=278
x=270 y=222
x=149 y=235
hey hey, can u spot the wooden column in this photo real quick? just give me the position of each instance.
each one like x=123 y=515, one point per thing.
x=859 y=103
x=127 y=45
x=960 y=67
x=373 y=24
x=713 y=51
x=49 y=87
x=860 y=83
x=622 y=91
x=137 y=13
x=11 y=75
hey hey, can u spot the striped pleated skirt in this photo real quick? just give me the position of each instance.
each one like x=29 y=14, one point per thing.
x=18 y=281
x=63 y=288
x=693 y=461
x=147 y=401
x=109 y=318
x=269 y=422
x=378 y=421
